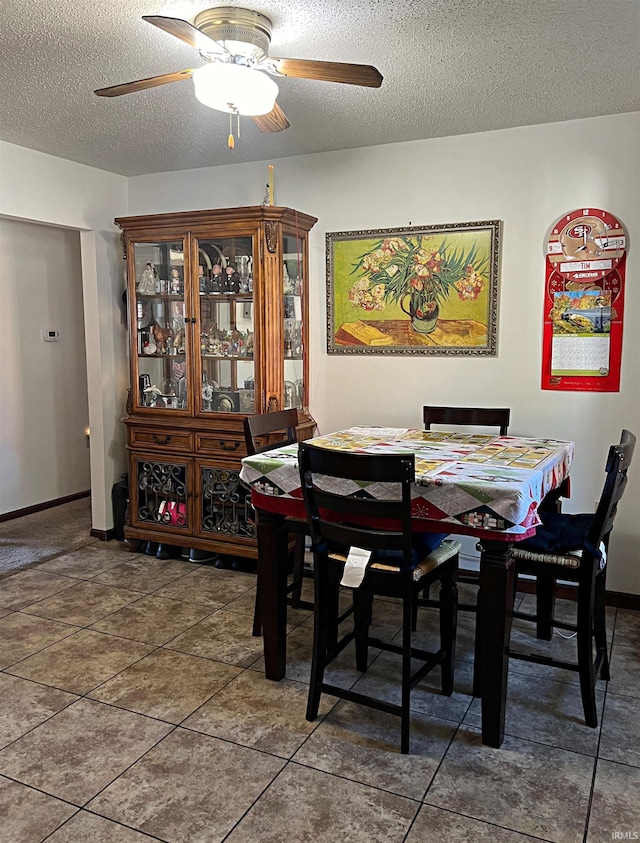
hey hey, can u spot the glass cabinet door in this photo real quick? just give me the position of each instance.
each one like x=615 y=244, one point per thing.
x=226 y=325
x=161 y=342
x=293 y=331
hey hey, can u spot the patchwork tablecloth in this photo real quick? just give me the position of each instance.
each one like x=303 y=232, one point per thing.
x=473 y=481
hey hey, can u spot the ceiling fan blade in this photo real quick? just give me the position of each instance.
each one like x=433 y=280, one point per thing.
x=274 y=121
x=186 y=32
x=143 y=84
x=326 y=71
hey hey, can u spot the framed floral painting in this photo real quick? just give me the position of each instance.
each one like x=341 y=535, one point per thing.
x=419 y=290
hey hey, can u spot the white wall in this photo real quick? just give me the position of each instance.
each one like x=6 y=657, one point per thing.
x=44 y=411
x=527 y=177
x=40 y=188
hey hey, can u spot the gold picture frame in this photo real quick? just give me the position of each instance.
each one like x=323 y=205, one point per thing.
x=414 y=290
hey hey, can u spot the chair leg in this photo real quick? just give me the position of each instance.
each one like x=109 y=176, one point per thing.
x=585 y=652
x=424 y=595
x=298 y=568
x=321 y=621
x=545 y=602
x=600 y=625
x=362 y=606
x=407 y=617
x=257 y=616
x=448 y=629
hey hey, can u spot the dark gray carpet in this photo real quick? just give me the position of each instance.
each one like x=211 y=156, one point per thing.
x=35 y=538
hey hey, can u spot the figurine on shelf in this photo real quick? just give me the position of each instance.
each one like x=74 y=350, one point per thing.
x=233 y=279
x=236 y=343
x=207 y=395
x=248 y=344
x=174 y=282
x=214 y=335
x=202 y=280
x=178 y=341
x=148 y=280
x=217 y=281
x=154 y=396
x=162 y=337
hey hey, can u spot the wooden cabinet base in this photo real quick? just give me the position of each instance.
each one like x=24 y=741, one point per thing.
x=134 y=536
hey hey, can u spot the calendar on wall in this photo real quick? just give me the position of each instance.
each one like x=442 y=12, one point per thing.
x=584 y=302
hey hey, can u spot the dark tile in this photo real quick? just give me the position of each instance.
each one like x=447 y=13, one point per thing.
x=564 y=649
x=81 y=661
x=27 y=587
x=307 y=805
x=340 y=672
x=545 y=711
x=625 y=671
x=88 y=828
x=23 y=635
x=615 y=808
x=191 y=788
x=620 y=737
x=255 y=712
x=25 y=705
x=144 y=573
x=27 y=815
x=80 y=750
x=363 y=745
x=223 y=636
x=166 y=685
x=526 y=787
x=84 y=603
x=627 y=630
x=153 y=620
x=209 y=586
x=88 y=561
x=433 y=824
x=384 y=681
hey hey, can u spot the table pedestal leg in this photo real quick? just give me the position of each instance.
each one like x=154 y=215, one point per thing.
x=272 y=591
x=495 y=607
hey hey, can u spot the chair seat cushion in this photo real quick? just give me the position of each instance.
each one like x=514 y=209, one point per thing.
x=560 y=535
x=444 y=551
x=422 y=545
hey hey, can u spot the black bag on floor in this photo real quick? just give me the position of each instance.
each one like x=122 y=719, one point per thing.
x=119 y=501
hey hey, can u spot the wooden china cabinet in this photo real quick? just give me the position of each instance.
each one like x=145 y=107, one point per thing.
x=218 y=314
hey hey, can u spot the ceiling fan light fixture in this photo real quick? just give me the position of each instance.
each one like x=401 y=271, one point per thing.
x=235 y=88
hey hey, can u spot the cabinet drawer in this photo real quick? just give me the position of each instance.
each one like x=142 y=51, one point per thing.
x=221 y=444
x=163 y=440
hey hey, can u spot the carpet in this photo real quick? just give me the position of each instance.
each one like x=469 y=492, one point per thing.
x=42 y=535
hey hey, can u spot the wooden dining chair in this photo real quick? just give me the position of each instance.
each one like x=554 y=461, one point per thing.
x=393 y=568
x=574 y=548
x=472 y=416
x=264 y=432
x=487 y=417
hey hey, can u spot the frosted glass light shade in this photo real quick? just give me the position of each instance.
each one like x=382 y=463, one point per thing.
x=234 y=87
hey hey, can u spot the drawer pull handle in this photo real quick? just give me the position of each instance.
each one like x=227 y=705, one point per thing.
x=229 y=446
x=161 y=440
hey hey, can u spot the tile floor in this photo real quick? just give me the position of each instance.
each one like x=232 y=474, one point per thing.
x=134 y=708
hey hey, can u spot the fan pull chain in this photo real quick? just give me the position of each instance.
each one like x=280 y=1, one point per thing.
x=230 y=141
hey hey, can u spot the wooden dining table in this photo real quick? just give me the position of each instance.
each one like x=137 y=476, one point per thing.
x=489 y=487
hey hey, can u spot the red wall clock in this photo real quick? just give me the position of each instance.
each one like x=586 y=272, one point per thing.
x=584 y=302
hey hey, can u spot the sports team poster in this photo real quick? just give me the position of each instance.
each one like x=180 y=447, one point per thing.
x=584 y=303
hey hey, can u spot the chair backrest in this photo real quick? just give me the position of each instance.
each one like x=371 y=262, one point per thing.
x=484 y=416
x=334 y=516
x=618 y=462
x=280 y=426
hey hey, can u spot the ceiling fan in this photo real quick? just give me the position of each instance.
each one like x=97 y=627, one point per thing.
x=235 y=46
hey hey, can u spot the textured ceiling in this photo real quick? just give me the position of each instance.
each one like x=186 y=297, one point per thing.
x=450 y=67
